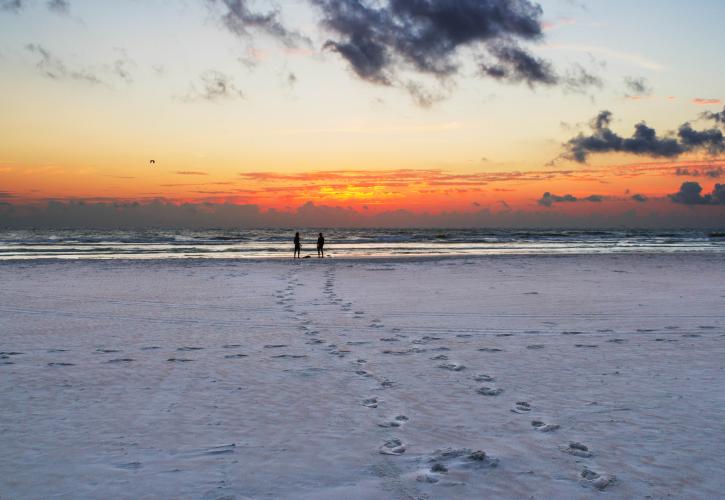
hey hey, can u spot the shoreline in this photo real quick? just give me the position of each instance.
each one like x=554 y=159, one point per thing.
x=363 y=259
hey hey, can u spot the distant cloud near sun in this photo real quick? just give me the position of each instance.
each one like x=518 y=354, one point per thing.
x=644 y=141
x=690 y=193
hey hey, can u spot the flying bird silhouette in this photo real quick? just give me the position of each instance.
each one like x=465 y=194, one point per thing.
x=153 y=162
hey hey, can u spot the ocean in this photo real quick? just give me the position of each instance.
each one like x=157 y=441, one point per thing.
x=344 y=243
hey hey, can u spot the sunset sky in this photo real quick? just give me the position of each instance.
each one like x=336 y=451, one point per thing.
x=421 y=106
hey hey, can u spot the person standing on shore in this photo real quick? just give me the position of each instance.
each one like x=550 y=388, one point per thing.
x=320 y=246
x=298 y=247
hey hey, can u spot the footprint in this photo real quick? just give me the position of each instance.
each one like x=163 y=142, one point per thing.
x=187 y=349
x=440 y=357
x=455 y=367
x=274 y=346
x=464 y=458
x=120 y=360
x=389 y=339
x=586 y=345
x=597 y=480
x=544 y=427
x=521 y=407
x=482 y=377
x=150 y=348
x=489 y=391
x=370 y=403
x=692 y=335
x=395 y=422
x=535 y=346
x=464 y=335
x=572 y=333
x=179 y=360
x=393 y=447
x=235 y=356
x=107 y=351
x=489 y=349
x=506 y=334
x=617 y=341
x=577 y=449
x=290 y=356
x=57 y=350
x=61 y=364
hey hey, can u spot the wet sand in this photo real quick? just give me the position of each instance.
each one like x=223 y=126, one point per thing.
x=501 y=377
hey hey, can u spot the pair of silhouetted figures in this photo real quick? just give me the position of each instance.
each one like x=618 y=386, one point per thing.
x=320 y=246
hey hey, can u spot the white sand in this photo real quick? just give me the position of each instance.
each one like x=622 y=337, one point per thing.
x=648 y=407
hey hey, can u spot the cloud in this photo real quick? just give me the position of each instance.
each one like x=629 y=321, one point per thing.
x=121 y=67
x=717 y=117
x=53 y=68
x=712 y=172
x=637 y=87
x=690 y=193
x=188 y=172
x=644 y=141
x=239 y=18
x=59 y=6
x=640 y=198
x=705 y=102
x=548 y=199
x=213 y=86
x=383 y=40
x=11 y=5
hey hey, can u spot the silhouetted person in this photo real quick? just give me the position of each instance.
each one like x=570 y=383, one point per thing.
x=320 y=245
x=298 y=247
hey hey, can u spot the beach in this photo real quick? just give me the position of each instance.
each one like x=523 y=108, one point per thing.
x=569 y=376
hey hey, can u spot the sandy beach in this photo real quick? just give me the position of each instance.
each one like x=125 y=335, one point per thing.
x=496 y=377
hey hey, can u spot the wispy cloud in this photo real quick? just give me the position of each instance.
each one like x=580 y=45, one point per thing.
x=706 y=102
x=631 y=58
x=213 y=86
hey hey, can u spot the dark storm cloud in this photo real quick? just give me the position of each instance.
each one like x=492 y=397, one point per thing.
x=644 y=141
x=516 y=65
x=717 y=117
x=690 y=193
x=239 y=18
x=637 y=87
x=59 y=6
x=213 y=86
x=380 y=39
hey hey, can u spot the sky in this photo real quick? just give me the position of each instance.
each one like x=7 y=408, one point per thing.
x=362 y=112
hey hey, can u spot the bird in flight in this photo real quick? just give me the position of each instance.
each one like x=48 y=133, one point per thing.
x=152 y=162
